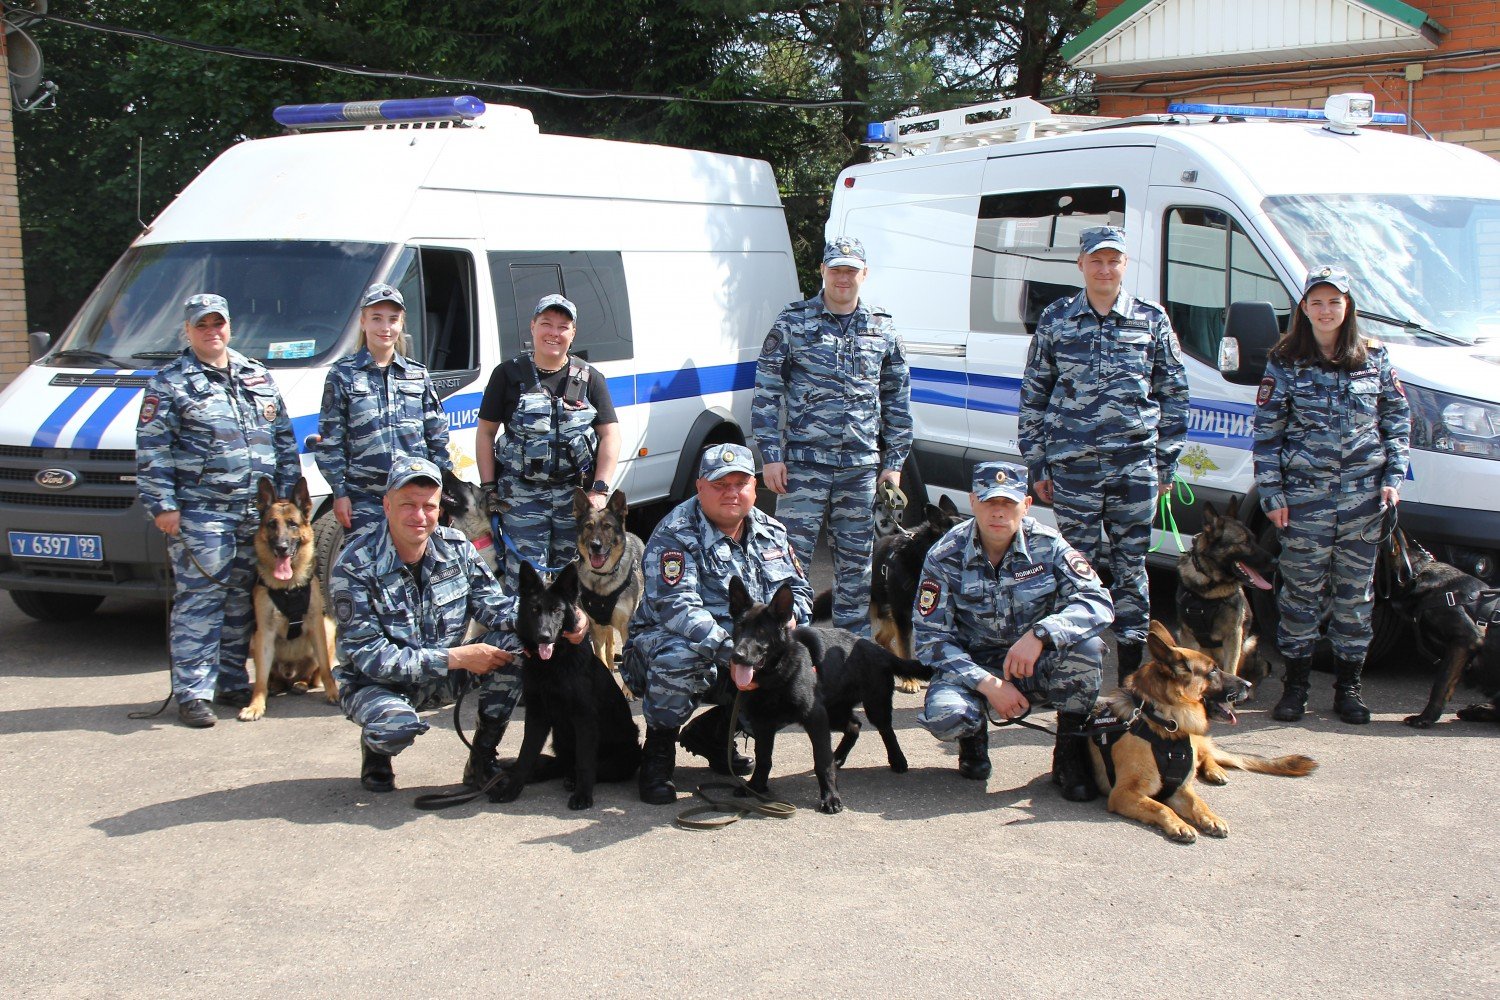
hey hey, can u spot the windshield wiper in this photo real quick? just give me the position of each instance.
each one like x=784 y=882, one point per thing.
x=85 y=355
x=156 y=355
x=1409 y=326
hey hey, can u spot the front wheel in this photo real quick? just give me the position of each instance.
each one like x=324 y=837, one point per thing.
x=328 y=542
x=51 y=607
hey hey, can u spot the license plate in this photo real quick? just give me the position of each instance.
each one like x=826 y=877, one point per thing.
x=43 y=545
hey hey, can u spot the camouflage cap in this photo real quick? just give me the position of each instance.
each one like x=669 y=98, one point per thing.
x=719 y=460
x=381 y=292
x=1000 y=479
x=199 y=306
x=1101 y=238
x=1326 y=274
x=555 y=301
x=844 y=251
x=408 y=469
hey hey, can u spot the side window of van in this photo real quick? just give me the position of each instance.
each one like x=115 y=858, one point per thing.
x=441 y=312
x=1211 y=263
x=1026 y=252
x=595 y=282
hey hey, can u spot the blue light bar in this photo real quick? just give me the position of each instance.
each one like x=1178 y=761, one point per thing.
x=1290 y=114
x=875 y=132
x=424 y=109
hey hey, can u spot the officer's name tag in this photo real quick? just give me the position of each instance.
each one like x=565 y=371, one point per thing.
x=1027 y=574
x=1134 y=324
x=1365 y=373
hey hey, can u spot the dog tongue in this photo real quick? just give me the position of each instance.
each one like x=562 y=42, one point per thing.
x=596 y=561
x=544 y=650
x=283 y=569
x=1233 y=719
x=1256 y=580
x=743 y=676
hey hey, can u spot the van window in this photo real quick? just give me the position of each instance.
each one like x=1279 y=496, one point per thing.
x=438 y=286
x=1026 y=252
x=1211 y=263
x=595 y=282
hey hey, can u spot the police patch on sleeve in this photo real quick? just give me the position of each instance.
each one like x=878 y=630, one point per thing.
x=269 y=412
x=927 y=597
x=149 y=406
x=671 y=568
x=343 y=609
x=1079 y=565
x=772 y=342
x=1396 y=381
x=1267 y=386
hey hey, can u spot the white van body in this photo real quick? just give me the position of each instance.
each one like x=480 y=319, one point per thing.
x=967 y=245
x=678 y=261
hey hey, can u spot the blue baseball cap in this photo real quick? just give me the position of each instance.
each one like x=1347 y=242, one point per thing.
x=408 y=469
x=555 y=301
x=381 y=292
x=199 y=306
x=1000 y=479
x=722 y=459
x=1326 y=274
x=844 y=251
x=1101 y=238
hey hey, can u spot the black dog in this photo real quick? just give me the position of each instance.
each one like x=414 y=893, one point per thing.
x=570 y=695
x=895 y=570
x=814 y=677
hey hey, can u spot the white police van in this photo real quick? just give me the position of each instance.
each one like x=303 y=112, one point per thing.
x=972 y=222
x=678 y=261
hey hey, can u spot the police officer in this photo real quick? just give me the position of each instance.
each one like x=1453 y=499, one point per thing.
x=212 y=424
x=832 y=418
x=376 y=403
x=1331 y=448
x=1009 y=614
x=1103 y=421
x=560 y=432
x=402 y=592
x=680 y=636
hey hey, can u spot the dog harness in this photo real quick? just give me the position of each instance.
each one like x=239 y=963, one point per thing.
x=1175 y=758
x=292 y=602
x=601 y=607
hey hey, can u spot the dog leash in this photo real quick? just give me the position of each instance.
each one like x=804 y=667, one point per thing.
x=167 y=628
x=732 y=810
x=1164 y=511
x=511 y=548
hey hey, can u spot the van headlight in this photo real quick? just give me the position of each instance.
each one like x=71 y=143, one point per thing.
x=1452 y=424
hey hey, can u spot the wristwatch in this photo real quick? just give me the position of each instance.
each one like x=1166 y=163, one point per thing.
x=600 y=486
x=1041 y=634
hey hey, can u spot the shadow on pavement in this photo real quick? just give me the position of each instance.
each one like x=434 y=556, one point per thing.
x=113 y=719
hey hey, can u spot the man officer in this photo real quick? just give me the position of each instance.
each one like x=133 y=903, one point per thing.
x=832 y=418
x=1008 y=614
x=680 y=636
x=1103 y=421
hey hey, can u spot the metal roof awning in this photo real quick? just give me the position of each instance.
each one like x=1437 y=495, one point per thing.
x=1161 y=36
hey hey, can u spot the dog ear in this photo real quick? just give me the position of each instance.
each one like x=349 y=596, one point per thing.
x=566 y=584
x=739 y=599
x=302 y=498
x=530 y=580
x=937 y=517
x=1210 y=513
x=781 y=603
x=947 y=506
x=1160 y=644
x=265 y=495
x=617 y=504
x=581 y=505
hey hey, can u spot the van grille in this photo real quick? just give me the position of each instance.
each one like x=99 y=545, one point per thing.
x=76 y=502
x=106 y=478
x=63 y=454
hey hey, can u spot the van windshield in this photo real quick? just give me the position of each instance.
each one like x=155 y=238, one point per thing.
x=289 y=300
x=1426 y=268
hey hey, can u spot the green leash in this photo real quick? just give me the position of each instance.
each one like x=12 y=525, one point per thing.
x=1168 y=521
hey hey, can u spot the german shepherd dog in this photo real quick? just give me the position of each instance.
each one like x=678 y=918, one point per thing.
x=291 y=644
x=1212 y=610
x=462 y=507
x=610 y=581
x=569 y=696
x=1170 y=701
x=814 y=677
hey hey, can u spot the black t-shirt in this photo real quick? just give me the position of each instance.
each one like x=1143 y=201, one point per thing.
x=509 y=380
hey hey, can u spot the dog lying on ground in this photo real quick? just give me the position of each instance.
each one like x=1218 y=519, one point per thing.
x=609 y=572
x=1212 y=610
x=569 y=696
x=291 y=643
x=1148 y=768
x=814 y=677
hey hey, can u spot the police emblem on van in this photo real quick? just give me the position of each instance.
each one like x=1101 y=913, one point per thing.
x=56 y=479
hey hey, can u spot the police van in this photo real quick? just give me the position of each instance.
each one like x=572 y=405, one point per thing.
x=972 y=220
x=677 y=260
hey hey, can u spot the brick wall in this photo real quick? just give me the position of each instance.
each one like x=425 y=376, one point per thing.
x=1457 y=100
x=13 y=353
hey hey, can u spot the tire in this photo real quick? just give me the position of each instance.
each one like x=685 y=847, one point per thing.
x=328 y=542
x=51 y=607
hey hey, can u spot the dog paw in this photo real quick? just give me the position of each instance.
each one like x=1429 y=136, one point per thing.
x=581 y=800
x=1216 y=828
x=908 y=685
x=251 y=713
x=299 y=687
x=1183 y=835
x=831 y=803
x=1214 y=777
x=507 y=789
x=899 y=765
x=1419 y=721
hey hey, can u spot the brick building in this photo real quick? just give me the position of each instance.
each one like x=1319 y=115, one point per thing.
x=1438 y=62
x=13 y=351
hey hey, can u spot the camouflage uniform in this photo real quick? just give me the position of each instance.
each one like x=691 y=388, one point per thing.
x=1326 y=441
x=834 y=404
x=394 y=636
x=968 y=614
x=202 y=446
x=369 y=414
x=1104 y=408
x=680 y=634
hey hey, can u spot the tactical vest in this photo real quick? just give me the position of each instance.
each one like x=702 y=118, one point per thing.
x=549 y=439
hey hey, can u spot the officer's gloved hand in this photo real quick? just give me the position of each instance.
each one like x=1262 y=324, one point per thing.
x=492 y=502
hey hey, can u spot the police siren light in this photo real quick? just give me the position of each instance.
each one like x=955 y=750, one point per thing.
x=352 y=114
x=1343 y=112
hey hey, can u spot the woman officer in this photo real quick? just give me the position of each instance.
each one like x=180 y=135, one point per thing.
x=1331 y=429
x=212 y=424
x=560 y=432
x=376 y=403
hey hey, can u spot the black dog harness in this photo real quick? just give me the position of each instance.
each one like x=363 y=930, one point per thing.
x=601 y=607
x=1175 y=758
x=1197 y=612
x=292 y=602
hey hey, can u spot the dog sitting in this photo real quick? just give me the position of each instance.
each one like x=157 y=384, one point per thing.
x=291 y=644
x=462 y=507
x=1151 y=740
x=1212 y=609
x=895 y=568
x=609 y=572
x=814 y=677
x=569 y=696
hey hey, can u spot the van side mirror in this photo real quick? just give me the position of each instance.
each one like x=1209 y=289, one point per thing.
x=1250 y=331
x=38 y=343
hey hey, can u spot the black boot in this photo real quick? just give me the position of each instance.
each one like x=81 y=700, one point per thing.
x=1347 y=703
x=708 y=736
x=482 y=765
x=1293 y=690
x=375 y=771
x=655 y=777
x=1070 y=764
x=974 y=754
x=1127 y=659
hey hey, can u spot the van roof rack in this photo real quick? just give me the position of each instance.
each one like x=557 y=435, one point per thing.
x=1015 y=120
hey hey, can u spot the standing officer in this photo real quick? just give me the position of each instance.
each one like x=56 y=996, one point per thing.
x=1008 y=613
x=560 y=432
x=680 y=636
x=403 y=591
x=212 y=424
x=376 y=403
x=833 y=406
x=1103 y=420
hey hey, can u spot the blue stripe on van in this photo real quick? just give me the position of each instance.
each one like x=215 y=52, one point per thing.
x=46 y=434
x=92 y=431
